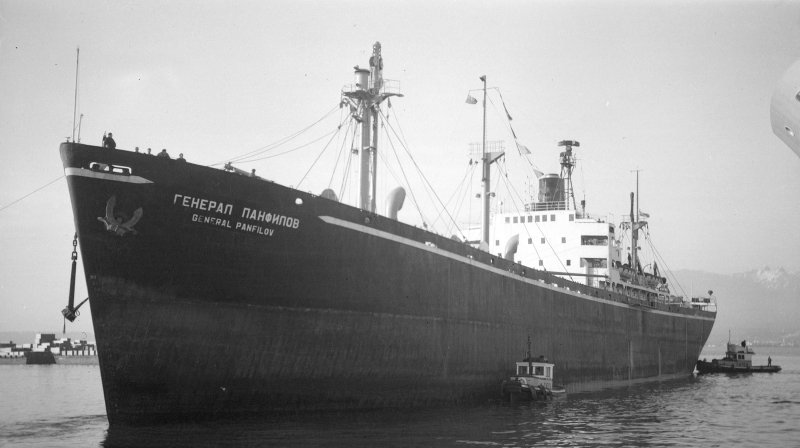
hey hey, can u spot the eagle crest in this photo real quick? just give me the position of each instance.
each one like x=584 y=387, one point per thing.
x=114 y=224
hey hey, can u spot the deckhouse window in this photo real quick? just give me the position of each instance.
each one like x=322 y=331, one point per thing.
x=538 y=370
x=537 y=218
x=544 y=218
x=530 y=240
x=542 y=240
x=522 y=370
x=515 y=220
x=552 y=217
x=508 y=219
x=571 y=217
x=530 y=218
x=594 y=240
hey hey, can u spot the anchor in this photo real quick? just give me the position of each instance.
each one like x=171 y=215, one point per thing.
x=71 y=311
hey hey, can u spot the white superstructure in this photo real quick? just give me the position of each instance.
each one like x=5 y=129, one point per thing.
x=555 y=235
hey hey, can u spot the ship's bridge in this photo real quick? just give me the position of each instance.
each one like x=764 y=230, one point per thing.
x=550 y=236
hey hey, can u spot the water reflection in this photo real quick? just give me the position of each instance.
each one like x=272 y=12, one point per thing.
x=745 y=410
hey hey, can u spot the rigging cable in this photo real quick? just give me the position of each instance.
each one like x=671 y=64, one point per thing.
x=664 y=262
x=419 y=171
x=346 y=176
x=410 y=190
x=277 y=143
x=32 y=192
x=525 y=226
x=460 y=185
x=465 y=197
x=324 y=148
x=342 y=151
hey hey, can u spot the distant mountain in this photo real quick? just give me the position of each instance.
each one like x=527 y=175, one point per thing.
x=761 y=305
x=776 y=279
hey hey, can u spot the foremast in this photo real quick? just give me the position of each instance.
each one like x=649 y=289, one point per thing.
x=364 y=100
x=487 y=157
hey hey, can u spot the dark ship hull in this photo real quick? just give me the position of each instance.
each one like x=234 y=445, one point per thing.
x=217 y=295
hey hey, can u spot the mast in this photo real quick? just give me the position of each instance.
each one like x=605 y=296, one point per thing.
x=635 y=226
x=634 y=237
x=488 y=156
x=487 y=172
x=364 y=100
x=75 y=103
x=567 y=165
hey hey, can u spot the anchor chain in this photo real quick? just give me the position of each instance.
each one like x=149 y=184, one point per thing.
x=71 y=311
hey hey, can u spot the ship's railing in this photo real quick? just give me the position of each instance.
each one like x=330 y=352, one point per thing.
x=389 y=87
x=476 y=149
x=635 y=298
x=595 y=218
x=546 y=206
x=704 y=303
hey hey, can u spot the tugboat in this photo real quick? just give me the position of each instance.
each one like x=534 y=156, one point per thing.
x=533 y=380
x=738 y=359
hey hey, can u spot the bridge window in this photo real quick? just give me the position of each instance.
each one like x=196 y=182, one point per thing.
x=594 y=240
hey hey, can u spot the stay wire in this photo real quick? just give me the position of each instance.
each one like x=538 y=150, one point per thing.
x=410 y=190
x=342 y=152
x=419 y=171
x=32 y=192
x=275 y=144
x=457 y=190
x=324 y=148
x=346 y=176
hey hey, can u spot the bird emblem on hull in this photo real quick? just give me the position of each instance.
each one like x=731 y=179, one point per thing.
x=114 y=223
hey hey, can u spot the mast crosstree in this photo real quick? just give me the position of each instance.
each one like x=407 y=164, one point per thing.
x=364 y=99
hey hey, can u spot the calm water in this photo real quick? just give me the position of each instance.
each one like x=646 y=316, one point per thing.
x=62 y=406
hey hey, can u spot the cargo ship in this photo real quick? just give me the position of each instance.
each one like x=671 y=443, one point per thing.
x=217 y=294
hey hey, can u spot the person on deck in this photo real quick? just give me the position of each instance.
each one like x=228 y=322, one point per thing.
x=769 y=361
x=108 y=141
x=163 y=153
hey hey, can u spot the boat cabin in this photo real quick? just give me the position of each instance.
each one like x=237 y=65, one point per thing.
x=535 y=372
x=739 y=355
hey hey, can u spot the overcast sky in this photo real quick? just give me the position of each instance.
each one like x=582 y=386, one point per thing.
x=679 y=90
